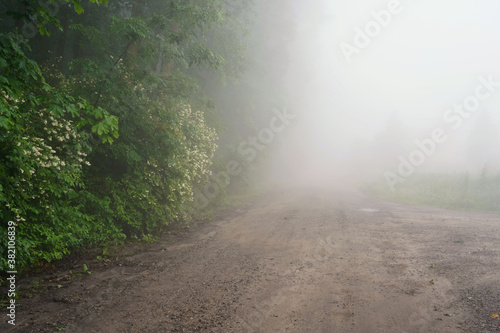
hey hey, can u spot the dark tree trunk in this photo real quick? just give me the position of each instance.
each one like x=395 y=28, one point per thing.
x=133 y=50
x=61 y=45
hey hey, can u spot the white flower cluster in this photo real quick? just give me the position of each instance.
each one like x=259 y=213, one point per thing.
x=193 y=164
x=200 y=150
x=61 y=129
x=19 y=218
x=41 y=159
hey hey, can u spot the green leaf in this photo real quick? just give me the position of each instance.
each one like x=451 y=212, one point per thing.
x=78 y=7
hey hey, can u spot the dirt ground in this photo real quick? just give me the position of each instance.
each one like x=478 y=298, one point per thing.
x=289 y=261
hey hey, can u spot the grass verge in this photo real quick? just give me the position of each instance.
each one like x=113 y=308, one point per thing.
x=463 y=191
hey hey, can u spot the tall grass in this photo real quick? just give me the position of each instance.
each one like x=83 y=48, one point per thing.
x=462 y=191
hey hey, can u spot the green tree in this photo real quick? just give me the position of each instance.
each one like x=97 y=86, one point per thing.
x=44 y=141
x=141 y=63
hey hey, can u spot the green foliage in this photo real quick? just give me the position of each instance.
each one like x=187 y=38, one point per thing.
x=44 y=144
x=154 y=175
x=69 y=175
x=42 y=13
x=165 y=148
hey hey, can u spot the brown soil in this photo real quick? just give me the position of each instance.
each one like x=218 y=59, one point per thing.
x=292 y=261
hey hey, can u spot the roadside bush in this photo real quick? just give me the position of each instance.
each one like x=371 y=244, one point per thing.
x=44 y=145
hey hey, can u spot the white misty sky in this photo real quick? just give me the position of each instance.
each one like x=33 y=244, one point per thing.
x=428 y=58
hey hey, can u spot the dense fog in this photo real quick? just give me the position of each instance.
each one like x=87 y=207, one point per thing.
x=372 y=83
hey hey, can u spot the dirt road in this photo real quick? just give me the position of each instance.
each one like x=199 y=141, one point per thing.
x=293 y=261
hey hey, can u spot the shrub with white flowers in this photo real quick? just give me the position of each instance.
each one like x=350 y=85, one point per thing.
x=44 y=144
